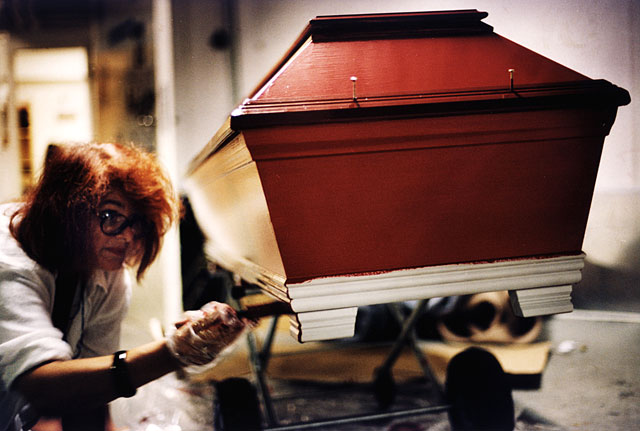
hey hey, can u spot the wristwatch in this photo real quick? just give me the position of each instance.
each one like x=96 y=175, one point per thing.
x=121 y=378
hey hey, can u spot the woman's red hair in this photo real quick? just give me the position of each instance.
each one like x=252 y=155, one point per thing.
x=52 y=225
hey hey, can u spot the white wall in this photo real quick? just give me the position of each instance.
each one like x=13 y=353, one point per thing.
x=202 y=74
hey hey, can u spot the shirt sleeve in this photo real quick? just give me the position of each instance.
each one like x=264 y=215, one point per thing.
x=27 y=336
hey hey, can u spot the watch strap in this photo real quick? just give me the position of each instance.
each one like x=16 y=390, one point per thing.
x=121 y=377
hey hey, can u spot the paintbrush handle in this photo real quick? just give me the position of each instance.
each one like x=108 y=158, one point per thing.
x=262 y=310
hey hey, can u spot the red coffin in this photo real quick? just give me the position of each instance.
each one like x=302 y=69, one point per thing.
x=384 y=142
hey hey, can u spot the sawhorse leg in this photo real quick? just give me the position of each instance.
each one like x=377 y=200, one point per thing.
x=384 y=385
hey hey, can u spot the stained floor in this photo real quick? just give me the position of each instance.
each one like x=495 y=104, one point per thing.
x=591 y=382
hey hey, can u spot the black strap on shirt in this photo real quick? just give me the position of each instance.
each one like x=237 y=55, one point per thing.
x=66 y=284
x=93 y=419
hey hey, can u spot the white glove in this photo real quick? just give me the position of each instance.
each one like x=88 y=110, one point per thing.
x=204 y=333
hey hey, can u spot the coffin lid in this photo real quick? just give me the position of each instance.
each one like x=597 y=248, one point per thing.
x=411 y=64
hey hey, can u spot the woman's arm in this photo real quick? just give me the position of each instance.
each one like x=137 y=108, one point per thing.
x=65 y=386
x=61 y=387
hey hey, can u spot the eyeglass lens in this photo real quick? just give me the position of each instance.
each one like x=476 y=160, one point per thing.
x=113 y=223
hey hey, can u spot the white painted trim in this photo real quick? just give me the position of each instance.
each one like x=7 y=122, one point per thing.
x=323 y=325
x=325 y=308
x=541 y=301
x=435 y=281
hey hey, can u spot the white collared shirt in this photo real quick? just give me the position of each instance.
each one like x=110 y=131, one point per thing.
x=27 y=335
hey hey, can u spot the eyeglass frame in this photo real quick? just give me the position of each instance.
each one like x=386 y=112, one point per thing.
x=129 y=222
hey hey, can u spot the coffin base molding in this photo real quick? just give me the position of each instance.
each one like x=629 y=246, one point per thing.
x=326 y=308
x=541 y=301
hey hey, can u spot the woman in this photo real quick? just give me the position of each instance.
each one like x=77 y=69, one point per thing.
x=64 y=287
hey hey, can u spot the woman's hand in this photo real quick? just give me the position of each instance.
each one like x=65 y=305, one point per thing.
x=201 y=335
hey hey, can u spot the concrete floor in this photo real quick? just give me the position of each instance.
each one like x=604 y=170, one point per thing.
x=591 y=382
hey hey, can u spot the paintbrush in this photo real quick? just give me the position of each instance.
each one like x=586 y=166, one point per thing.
x=254 y=312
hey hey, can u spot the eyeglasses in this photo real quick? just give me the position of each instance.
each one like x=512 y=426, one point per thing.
x=113 y=223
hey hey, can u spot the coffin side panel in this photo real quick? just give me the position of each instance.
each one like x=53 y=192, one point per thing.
x=228 y=200
x=511 y=186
